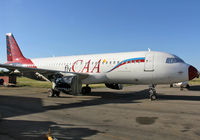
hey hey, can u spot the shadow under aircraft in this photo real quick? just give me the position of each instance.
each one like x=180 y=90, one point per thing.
x=31 y=130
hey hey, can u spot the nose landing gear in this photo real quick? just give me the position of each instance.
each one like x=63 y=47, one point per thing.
x=152 y=93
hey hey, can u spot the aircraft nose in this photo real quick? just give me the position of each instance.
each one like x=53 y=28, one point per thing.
x=192 y=72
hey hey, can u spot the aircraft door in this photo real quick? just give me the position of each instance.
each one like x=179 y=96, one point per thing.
x=149 y=62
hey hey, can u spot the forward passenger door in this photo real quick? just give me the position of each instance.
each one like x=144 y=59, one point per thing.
x=149 y=62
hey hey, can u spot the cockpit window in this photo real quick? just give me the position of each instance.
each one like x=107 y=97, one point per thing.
x=174 y=60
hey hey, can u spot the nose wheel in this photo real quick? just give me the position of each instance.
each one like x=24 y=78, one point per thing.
x=152 y=93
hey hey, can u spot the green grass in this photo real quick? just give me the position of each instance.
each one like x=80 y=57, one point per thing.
x=22 y=81
x=97 y=85
x=196 y=81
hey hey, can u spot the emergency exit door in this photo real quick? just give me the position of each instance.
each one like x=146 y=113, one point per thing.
x=149 y=62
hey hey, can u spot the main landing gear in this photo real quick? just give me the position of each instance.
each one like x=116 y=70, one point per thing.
x=86 y=90
x=152 y=93
x=53 y=92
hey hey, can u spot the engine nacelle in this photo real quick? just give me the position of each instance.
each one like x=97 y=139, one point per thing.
x=114 y=86
x=64 y=82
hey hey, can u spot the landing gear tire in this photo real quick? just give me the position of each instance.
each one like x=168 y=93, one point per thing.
x=188 y=86
x=88 y=89
x=153 y=97
x=181 y=88
x=152 y=93
x=57 y=93
x=53 y=93
x=85 y=90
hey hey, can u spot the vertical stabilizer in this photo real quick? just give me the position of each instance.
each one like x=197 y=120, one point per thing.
x=14 y=54
x=13 y=51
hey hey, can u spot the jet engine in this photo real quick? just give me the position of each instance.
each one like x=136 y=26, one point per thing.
x=114 y=86
x=64 y=84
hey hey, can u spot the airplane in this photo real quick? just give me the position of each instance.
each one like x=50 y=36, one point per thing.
x=68 y=73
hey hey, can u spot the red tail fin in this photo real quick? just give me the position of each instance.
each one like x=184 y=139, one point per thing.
x=13 y=51
x=14 y=54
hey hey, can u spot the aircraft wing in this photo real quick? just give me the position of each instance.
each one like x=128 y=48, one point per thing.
x=44 y=72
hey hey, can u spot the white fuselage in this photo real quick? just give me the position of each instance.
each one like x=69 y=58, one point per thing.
x=122 y=68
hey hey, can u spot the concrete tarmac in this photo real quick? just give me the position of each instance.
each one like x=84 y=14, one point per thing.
x=106 y=114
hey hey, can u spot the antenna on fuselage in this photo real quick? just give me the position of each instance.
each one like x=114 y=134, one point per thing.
x=149 y=49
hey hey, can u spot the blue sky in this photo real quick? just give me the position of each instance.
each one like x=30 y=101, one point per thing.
x=45 y=28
